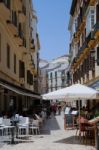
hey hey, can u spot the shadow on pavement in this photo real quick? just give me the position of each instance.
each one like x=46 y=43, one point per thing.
x=18 y=140
x=74 y=140
x=51 y=124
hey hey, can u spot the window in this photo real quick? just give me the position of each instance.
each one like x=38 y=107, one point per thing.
x=8 y=3
x=14 y=18
x=90 y=20
x=97 y=13
x=21 y=69
x=75 y=24
x=20 y=30
x=0 y=47
x=8 y=56
x=14 y=63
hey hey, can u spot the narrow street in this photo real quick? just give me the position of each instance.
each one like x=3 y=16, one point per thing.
x=52 y=137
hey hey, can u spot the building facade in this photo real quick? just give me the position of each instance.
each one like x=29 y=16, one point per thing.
x=55 y=74
x=84 y=42
x=19 y=54
x=43 y=64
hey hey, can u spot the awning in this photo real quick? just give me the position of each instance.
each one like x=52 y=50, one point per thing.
x=19 y=90
x=95 y=85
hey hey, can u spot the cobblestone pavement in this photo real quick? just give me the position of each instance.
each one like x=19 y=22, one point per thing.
x=52 y=137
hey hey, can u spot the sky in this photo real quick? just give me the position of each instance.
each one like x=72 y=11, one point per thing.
x=53 y=19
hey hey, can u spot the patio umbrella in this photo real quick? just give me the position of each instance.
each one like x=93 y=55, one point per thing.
x=73 y=92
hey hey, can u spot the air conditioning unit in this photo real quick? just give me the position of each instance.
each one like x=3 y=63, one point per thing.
x=21 y=80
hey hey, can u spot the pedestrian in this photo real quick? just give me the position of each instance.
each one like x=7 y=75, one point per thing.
x=59 y=109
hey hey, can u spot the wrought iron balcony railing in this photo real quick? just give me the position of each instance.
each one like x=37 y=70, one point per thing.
x=96 y=29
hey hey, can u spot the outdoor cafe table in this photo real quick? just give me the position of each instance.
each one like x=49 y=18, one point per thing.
x=13 y=129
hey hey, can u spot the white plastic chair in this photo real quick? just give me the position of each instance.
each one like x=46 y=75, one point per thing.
x=34 y=127
x=1 y=121
x=23 y=125
x=1 y=129
x=7 y=126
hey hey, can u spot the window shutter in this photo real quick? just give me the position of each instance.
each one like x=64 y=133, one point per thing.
x=21 y=69
x=97 y=13
x=28 y=76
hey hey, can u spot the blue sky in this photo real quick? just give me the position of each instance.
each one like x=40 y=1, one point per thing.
x=53 y=18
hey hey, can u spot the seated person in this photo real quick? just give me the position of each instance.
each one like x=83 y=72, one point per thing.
x=40 y=120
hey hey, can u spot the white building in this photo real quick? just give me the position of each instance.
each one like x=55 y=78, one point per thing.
x=55 y=74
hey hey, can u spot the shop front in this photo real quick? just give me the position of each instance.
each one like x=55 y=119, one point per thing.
x=16 y=98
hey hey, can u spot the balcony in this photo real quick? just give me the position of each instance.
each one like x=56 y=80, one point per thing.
x=73 y=6
x=81 y=25
x=19 y=40
x=24 y=42
x=74 y=61
x=79 y=19
x=11 y=27
x=96 y=30
x=75 y=36
x=82 y=18
x=86 y=50
x=32 y=65
x=4 y=10
x=18 y=36
x=85 y=7
x=22 y=17
x=19 y=4
x=22 y=49
x=31 y=43
x=33 y=48
x=22 y=81
x=83 y=46
x=34 y=71
x=90 y=39
x=29 y=77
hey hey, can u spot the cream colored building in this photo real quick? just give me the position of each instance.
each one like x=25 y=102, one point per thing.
x=43 y=80
x=19 y=54
x=84 y=42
